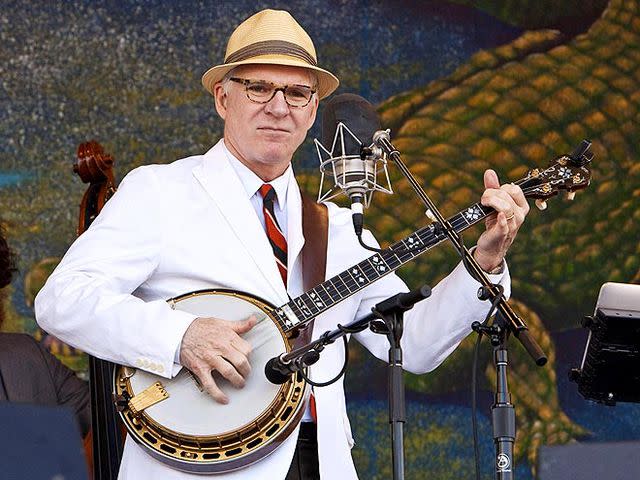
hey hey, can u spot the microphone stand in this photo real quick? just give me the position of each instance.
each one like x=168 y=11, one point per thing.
x=506 y=319
x=387 y=318
x=488 y=291
x=503 y=414
x=391 y=311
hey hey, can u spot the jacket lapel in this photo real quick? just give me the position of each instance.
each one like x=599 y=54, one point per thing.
x=220 y=181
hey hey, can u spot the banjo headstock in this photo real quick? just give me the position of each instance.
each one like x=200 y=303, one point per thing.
x=568 y=173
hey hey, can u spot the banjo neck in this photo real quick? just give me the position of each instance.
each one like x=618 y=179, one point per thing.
x=568 y=173
x=304 y=308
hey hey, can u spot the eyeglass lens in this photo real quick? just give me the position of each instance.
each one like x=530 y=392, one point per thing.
x=263 y=92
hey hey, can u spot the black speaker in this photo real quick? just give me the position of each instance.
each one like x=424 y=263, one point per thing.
x=610 y=370
x=40 y=442
x=590 y=461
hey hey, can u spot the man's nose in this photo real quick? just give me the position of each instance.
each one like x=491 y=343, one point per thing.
x=278 y=104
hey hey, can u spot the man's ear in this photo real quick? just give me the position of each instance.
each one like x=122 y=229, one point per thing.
x=220 y=99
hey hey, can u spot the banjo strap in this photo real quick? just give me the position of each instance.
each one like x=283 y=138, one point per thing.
x=315 y=228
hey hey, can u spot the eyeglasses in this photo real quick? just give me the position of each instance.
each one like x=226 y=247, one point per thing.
x=260 y=91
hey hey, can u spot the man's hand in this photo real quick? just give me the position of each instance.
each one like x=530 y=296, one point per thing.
x=511 y=206
x=213 y=344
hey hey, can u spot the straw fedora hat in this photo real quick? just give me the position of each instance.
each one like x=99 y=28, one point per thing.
x=271 y=37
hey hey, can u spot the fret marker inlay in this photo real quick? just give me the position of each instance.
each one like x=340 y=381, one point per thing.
x=317 y=300
x=473 y=213
x=302 y=306
x=291 y=318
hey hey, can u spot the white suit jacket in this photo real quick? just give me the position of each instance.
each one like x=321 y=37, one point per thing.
x=172 y=229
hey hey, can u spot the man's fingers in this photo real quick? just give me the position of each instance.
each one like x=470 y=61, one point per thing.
x=499 y=229
x=511 y=209
x=243 y=326
x=491 y=179
x=498 y=200
x=510 y=200
x=215 y=345
x=228 y=371
x=209 y=385
x=242 y=346
x=518 y=196
x=239 y=361
x=503 y=223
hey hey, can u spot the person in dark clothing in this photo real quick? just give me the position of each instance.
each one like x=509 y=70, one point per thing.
x=28 y=372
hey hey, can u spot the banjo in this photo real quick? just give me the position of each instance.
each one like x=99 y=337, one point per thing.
x=178 y=423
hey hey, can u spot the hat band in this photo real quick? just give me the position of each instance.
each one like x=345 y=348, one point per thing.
x=270 y=47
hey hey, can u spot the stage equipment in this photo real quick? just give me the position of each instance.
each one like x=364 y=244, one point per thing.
x=610 y=369
x=174 y=421
x=280 y=368
x=589 y=461
x=386 y=319
x=503 y=415
x=40 y=443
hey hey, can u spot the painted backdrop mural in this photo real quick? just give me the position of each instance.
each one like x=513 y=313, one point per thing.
x=463 y=85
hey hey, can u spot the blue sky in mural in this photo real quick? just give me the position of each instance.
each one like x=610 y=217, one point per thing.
x=12 y=178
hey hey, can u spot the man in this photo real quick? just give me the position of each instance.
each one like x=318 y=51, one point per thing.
x=199 y=223
x=28 y=372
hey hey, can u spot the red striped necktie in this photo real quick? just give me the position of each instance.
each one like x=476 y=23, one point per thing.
x=279 y=245
x=274 y=232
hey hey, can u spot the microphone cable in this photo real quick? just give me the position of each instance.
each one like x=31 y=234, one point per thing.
x=474 y=407
x=344 y=366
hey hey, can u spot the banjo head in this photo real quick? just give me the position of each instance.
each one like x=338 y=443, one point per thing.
x=181 y=425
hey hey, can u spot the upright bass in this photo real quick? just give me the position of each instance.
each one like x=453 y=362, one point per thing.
x=105 y=442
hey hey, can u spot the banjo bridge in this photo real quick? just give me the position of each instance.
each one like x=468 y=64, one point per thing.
x=153 y=394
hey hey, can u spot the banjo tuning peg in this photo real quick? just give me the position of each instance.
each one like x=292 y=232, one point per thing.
x=541 y=204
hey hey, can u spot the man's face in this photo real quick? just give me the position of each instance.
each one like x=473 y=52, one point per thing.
x=264 y=136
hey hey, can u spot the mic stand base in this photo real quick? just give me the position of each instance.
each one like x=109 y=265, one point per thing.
x=392 y=327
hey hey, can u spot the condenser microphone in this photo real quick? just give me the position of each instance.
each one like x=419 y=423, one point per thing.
x=348 y=121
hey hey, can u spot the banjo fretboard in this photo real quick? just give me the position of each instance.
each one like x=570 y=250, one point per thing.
x=568 y=172
x=307 y=306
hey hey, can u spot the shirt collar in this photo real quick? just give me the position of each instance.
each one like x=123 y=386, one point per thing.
x=252 y=183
